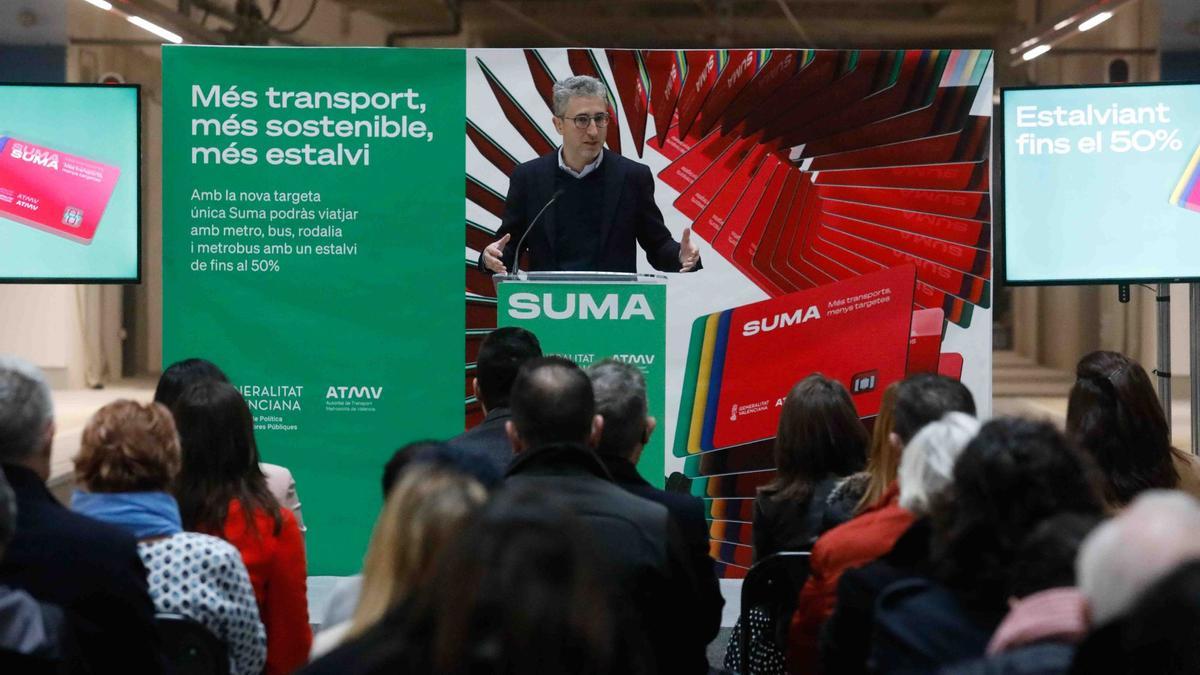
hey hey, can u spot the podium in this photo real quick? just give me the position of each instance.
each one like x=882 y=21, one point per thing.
x=590 y=316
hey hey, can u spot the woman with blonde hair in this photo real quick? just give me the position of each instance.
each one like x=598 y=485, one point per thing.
x=883 y=457
x=129 y=456
x=424 y=512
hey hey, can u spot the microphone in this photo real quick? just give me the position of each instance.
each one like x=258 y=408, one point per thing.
x=517 y=256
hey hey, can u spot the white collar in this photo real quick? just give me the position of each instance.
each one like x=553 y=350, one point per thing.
x=562 y=164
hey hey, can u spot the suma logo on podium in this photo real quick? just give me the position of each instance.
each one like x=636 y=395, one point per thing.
x=609 y=307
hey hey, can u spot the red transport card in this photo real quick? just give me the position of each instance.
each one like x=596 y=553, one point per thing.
x=855 y=332
x=52 y=190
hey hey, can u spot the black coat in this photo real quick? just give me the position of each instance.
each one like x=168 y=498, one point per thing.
x=89 y=568
x=488 y=438
x=630 y=215
x=921 y=626
x=640 y=551
x=846 y=636
x=688 y=513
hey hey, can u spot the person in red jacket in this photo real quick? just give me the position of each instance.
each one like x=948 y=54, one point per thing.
x=222 y=491
x=920 y=399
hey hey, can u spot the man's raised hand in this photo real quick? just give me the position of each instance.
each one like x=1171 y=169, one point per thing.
x=493 y=255
x=689 y=254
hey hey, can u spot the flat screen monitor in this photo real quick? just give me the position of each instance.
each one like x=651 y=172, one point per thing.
x=70 y=183
x=1101 y=184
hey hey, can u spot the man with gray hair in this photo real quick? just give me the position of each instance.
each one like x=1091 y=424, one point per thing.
x=620 y=394
x=88 y=568
x=587 y=206
x=1123 y=557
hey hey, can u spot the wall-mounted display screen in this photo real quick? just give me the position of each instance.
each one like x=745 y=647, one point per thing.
x=69 y=183
x=1101 y=184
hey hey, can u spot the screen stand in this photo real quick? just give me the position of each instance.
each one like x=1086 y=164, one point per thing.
x=1162 y=306
x=1194 y=343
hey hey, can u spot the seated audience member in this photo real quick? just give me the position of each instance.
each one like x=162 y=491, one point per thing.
x=920 y=399
x=1123 y=556
x=925 y=472
x=1158 y=634
x=88 y=568
x=820 y=441
x=553 y=430
x=32 y=638
x=860 y=491
x=425 y=510
x=501 y=355
x=222 y=491
x=519 y=591
x=620 y=393
x=1047 y=614
x=1114 y=415
x=343 y=598
x=1014 y=474
x=177 y=377
x=128 y=458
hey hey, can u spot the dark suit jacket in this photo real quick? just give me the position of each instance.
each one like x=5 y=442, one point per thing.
x=688 y=513
x=630 y=215
x=89 y=568
x=640 y=551
x=488 y=438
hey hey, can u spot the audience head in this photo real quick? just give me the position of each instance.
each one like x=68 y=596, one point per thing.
x=927 y=466
x=620 y=393
x=179 y=375
x=220 y=458
x=26 y=415
x=1158 y=634
x=552 y=402
x=883 y=457
x=427 y=508
x=471 y=463
x=1011 y=476
x=501 y=355
x=1046 y=558
x=400 y=461
x=1122 y=557
x=8 y=514
x=515 y=593
x=924 y=398
x=819 y=436
x=1114 y=415
x=128 y=447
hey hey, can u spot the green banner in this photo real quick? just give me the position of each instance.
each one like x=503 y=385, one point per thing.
x=311 y=204
x=588 y=322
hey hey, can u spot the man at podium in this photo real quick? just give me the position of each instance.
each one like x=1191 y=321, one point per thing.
x=582 y=208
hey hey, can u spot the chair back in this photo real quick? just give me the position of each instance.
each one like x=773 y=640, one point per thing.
x=773 y=584
x=190 y=647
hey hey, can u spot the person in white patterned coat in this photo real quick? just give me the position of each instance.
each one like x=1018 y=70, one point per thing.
x=128 y=458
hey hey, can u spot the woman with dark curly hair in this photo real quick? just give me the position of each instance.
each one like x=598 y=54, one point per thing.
x=1114 y=415
x=1014 y=474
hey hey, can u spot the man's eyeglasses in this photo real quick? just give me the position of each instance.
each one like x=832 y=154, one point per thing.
x=582 y=121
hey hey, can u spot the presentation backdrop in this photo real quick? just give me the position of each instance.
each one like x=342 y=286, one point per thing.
x=309 y=197
x=69 y=188
x=311 y=246
x=841 y=201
